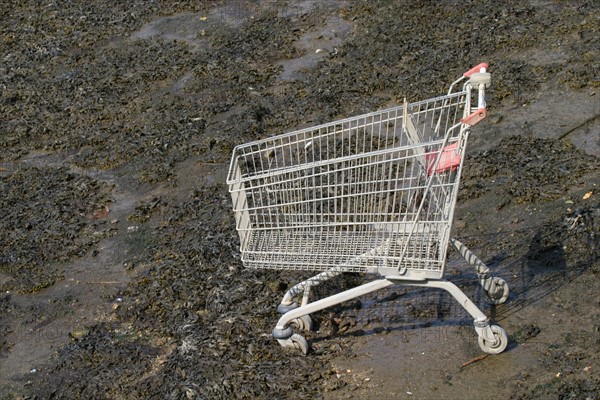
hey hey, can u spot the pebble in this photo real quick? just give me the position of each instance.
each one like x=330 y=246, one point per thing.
x=79 y=333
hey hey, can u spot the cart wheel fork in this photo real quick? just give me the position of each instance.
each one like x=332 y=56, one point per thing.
x=287 y=303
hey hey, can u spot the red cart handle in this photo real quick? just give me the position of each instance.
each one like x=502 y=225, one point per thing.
x=475 y=69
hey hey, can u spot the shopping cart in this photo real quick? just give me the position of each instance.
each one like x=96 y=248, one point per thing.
x=371 y=194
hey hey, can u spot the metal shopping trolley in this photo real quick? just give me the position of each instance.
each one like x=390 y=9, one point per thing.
x=372 y=194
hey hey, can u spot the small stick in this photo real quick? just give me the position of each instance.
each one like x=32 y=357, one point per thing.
x=475 y=360
x=564 y=135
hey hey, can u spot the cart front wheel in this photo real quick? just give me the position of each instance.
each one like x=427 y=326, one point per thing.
x=299 y=342
x=501 y=293
x=497 y=347
x=303 y=323
x=295 y=341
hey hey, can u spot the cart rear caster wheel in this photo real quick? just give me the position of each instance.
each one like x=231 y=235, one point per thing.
x=303 y=323
x=500 y=344
x=501 y=293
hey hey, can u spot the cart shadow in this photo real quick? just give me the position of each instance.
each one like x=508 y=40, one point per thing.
x=545 y=268
x=395 y=309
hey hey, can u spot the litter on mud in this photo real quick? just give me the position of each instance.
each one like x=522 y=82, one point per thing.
x=373 y=194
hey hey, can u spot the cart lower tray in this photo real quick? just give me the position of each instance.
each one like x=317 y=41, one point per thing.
x=348 y=251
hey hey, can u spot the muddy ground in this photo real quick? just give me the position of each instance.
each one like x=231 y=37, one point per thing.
x=119 y=264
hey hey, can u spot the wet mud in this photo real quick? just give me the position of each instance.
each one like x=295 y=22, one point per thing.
x=119 y=264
